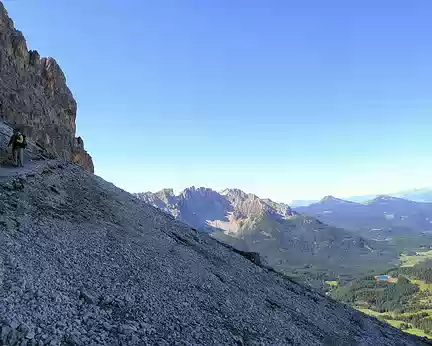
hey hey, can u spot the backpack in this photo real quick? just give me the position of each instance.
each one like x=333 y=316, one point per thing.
x=20 y=141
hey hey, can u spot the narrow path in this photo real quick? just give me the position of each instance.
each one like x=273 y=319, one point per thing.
x=29 y=167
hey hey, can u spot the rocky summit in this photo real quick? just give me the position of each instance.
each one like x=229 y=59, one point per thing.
x=209 y=210
x=34 y=97
x=85 y=263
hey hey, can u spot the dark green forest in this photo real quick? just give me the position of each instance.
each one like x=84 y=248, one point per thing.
x=421 y=271
x=405 y=301
x=377 y=295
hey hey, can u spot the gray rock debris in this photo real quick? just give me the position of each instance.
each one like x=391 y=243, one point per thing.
x=92 y=265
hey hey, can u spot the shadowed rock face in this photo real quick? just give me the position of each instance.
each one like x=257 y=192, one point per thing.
x=34 y=97
x=85 y=263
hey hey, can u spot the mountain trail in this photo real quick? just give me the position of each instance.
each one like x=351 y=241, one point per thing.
x=32 y=167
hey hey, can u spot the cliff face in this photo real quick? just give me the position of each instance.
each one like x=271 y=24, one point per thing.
x=34 y=97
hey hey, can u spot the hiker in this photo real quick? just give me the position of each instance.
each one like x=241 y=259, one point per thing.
x=18 y=142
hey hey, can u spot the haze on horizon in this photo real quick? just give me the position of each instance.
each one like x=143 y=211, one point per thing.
x=285 y=100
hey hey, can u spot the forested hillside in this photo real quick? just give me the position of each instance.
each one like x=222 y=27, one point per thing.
x=402 y=297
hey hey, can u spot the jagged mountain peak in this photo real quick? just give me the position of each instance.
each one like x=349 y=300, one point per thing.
x=280 y=208
x=233 y=192
x=239 y=198
x=200 y=206
x=168 y=191
x=198 y=192
x=167 y=194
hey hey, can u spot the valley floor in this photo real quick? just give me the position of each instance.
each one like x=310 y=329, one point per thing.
x=394 y=323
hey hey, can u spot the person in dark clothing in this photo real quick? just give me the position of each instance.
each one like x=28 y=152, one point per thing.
x=18 y=142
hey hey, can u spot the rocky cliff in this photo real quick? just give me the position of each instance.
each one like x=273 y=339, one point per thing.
x=85 y=263
x=208 y=210
x=34 y=97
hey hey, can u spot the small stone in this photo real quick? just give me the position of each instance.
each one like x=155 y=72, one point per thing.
x=22 y=283
x=13 y=337
x=238 y=339
x=14 y=324
x=24 y=328
x=87 y=297
x=86 y=316
x=61 y=324
x=127 y=329
x=74 y=339
x=107 y=300
x=5 y=330
x=18 y=185
x=145 y=325
x=54 y=189
x=134 y=338
x=30 y=335
x=107 y=326
x=16 y=289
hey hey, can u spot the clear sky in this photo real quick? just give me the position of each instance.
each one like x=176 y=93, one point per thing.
x=286 y=99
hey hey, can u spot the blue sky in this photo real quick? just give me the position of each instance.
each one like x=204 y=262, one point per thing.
x=286 y=99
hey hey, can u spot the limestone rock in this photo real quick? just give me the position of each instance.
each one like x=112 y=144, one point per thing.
x=34 y=97
x=80 y=156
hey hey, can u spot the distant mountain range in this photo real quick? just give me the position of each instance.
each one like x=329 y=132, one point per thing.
x=210 y=211
x=415 y=195
x=288 y=241
x=381 y=218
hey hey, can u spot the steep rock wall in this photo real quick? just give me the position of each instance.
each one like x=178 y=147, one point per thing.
x=34 y=97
